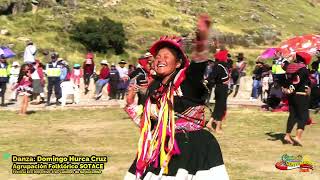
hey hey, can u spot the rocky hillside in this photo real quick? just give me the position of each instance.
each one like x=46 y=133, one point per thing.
x=241 y=25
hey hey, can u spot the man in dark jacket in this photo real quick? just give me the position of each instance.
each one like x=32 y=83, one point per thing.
x=53 y=71
x=114 y=79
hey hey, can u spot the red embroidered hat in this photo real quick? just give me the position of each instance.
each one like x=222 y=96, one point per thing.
x=143 y=61
x=305 y=56
x=294 y=67
x=170 y=41
x=221 y=56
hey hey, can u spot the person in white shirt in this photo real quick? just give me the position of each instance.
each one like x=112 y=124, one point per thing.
x=38 y=82
x=30 y=53
x=124 y=79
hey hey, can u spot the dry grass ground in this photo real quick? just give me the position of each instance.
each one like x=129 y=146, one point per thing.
x=251 y=143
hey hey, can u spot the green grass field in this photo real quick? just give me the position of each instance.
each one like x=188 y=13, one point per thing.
x=250 y=144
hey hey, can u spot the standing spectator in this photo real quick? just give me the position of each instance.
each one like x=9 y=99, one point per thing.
x=53 y=71
x=124 y=79
x=24 y=86
x=131 y=69
x=316 y=65
x=88 y=70
x=257 y=76
x=266 y=82
x=208 y=68
x=279 y=74
x=29 y=52
x=229 y=62
x=103 y=78
x=235 y=75
x=241 y=66
x=230 y=67
x=208 y=71
x=315 y=86
x=14 y=74
x=113 y=82
x=76 y=74
x=38 y=81
x=4 y=77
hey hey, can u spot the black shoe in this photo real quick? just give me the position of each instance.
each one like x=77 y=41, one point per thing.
x=3 y=105
x=296 y=142
x=86 y=91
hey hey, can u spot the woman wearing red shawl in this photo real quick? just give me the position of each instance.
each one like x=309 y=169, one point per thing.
x=219 y=77
x=298 y=92
x=173 y=143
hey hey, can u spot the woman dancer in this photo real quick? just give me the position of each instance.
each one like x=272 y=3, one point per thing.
x=220 y=78
x=173 y=143
x=24 y=87
x=298 y=92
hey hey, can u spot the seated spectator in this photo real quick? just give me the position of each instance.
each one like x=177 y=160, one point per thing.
x=103 y=78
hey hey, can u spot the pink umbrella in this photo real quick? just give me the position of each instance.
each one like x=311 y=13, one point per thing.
x=268 y=53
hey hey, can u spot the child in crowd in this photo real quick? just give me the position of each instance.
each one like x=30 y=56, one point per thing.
x=76 y=74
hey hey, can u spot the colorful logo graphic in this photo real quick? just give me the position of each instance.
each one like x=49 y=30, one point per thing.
x=304 y=163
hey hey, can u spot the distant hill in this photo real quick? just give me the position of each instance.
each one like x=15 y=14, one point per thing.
x=242 y=25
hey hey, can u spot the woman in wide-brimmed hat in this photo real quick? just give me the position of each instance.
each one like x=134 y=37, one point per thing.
x=124 y=79
x=173 y=143
x=103 y=78
x=241 y=67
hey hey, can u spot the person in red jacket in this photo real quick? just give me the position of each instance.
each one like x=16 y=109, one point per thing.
x=103 y=78
x=88 y=70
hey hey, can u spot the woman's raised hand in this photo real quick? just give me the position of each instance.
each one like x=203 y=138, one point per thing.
x=203 y=27
x=200 y=50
